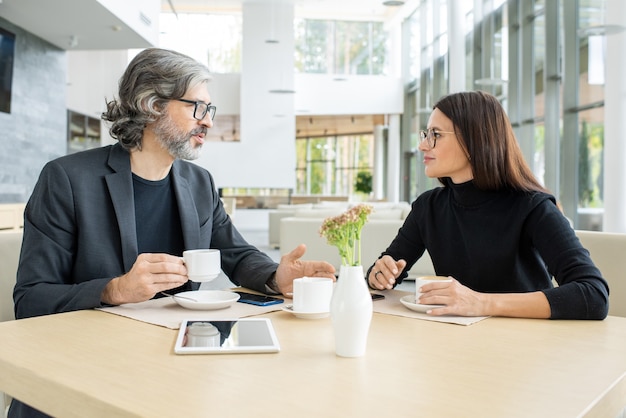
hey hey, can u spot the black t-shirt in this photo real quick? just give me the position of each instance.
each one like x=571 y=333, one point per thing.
x=157 y=218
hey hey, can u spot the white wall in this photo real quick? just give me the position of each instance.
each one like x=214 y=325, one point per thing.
x=265 y=157
x=321 y=94
x=92 y=79
x=225 y=91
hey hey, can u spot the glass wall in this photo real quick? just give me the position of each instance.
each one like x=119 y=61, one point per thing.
x=544 y=60
x=340 y=47
x=592 y=45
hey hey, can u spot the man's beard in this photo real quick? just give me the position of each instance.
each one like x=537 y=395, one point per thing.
x=176 y=141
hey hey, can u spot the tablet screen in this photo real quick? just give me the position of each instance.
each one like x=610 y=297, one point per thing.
x=244 y=335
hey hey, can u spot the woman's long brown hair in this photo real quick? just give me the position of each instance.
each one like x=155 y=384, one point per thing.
x=484 y=131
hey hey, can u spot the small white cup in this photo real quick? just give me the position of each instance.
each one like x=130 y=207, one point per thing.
x=421 y=281
x=312 y=294
x=202 y=265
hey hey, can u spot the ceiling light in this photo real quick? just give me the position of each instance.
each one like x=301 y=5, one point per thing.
x=393 y=3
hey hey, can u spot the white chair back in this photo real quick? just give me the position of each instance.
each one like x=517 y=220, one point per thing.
x=608 y=252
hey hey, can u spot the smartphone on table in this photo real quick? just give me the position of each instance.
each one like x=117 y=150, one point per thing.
x=259 y=300
x=377 y=296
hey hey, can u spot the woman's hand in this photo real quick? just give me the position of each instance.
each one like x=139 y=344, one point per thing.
x=458 y=299
x=463 y=301
x=384 y=273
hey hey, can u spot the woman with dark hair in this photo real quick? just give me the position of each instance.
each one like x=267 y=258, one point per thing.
x=491 y=227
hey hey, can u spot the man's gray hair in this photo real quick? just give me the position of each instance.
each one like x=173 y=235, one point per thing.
x=154 y=77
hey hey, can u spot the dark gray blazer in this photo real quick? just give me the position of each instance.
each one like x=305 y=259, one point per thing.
x=79 y=231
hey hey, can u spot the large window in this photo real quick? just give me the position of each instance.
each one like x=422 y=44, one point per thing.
x=340 y=47
x=591 y=58
x=331 y=165
x=212 y=39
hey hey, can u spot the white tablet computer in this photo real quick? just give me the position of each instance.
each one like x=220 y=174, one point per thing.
x=244 y=335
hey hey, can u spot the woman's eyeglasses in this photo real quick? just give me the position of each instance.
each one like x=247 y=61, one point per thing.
x=431 y=136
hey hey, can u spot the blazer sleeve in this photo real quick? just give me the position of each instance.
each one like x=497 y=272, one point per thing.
x=44 y=278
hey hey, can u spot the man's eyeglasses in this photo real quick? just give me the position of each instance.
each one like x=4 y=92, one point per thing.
x=200 y=109
x=431 y=136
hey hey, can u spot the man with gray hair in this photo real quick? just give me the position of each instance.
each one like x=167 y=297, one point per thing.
x=108 y=226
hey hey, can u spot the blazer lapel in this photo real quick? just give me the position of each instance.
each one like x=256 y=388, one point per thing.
x=187 y=209
x=120 y=187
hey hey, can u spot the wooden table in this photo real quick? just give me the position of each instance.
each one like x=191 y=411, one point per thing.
x=96 y=364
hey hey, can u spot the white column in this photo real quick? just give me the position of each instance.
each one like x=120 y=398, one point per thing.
x=378 y=177
x=456 y=46
x=615 y=122
x=267 y=108
x=394 y=156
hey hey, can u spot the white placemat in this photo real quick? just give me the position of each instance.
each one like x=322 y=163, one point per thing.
x=167 y=313
x=391 y=305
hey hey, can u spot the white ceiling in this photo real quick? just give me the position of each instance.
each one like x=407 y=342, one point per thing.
x=372 y=10
x=57 y=21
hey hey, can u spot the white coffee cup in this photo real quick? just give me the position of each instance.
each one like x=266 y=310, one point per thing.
x=312 y=294
x=202 y=265
x=421 y=281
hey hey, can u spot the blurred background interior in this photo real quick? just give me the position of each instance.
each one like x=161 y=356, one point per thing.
x=322 y=100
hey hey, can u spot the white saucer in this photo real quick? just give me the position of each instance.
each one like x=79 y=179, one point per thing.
x=305 y=315
x=409 y=302
x=206 y=299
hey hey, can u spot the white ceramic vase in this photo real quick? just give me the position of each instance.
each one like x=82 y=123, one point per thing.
x=351 y=312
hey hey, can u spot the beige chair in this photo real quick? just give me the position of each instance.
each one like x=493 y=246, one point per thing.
x=608 y=252
x=12 y=215
x=10 y=245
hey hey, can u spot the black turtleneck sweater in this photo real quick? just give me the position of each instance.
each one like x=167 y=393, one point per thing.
x=506 y=241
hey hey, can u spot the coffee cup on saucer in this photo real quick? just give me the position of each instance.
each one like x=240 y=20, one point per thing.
x=423 y=280
x=203 y=265
x=312 y=294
